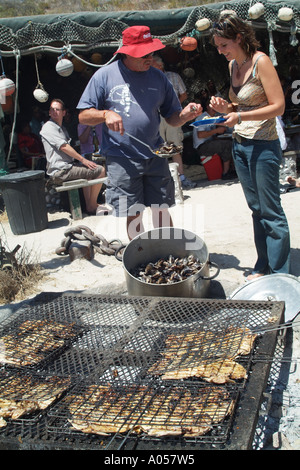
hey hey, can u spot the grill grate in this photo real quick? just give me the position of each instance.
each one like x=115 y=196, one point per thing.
x=123 y=347
x=139 y=325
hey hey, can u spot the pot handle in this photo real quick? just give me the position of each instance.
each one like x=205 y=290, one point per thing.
x=209 y=278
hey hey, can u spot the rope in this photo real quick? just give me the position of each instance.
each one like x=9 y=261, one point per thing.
x=2 y=67
x=37 y=72
x=17 y=55
x=100 y=244
x=90 y=63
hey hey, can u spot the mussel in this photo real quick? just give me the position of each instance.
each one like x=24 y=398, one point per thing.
x=168 y=270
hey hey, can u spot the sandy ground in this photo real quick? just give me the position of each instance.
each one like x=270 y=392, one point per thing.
x=216 y=211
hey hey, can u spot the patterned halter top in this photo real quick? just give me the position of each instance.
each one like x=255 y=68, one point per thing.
x=249 y=96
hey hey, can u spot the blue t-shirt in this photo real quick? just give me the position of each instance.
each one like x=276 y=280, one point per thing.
x=139 y=98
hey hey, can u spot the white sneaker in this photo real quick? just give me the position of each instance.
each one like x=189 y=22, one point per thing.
x=104 y=210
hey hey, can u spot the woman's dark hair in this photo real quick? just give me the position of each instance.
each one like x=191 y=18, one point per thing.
x=229 y=26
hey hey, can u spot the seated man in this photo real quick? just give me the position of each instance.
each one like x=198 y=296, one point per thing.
x=206 y=143
x=62 y=158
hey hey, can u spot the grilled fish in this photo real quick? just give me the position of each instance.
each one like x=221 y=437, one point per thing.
x=32 y=341
x=172 y=411
x=205 y=354
x=218 y=372
x=23 y=394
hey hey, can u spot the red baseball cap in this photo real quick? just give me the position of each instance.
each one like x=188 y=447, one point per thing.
x=137 y=42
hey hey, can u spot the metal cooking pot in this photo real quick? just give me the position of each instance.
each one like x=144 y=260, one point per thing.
x=160 y=243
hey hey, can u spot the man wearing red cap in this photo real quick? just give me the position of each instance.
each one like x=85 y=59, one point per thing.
x=128 y=96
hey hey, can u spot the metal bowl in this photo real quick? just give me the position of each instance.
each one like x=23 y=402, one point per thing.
x=274 y=287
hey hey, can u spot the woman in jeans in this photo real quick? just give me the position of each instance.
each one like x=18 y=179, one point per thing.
x=256 y=98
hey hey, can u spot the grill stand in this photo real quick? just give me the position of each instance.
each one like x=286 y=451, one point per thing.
x=250 y=402
x=24 y=436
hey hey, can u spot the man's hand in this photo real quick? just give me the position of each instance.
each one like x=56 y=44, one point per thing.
x=66 y=148
x=92 y=117
x=89 y=164
x=190 y=112
x=114 y=121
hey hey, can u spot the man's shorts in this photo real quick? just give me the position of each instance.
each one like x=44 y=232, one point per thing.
x=171 y=133
x=76 y=172
x=138 y=183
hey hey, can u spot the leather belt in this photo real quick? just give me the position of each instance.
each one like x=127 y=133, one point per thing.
x=240 y=139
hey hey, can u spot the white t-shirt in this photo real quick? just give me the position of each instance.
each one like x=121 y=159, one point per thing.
x=280 y=132
x=53 y=137
x=177 y=82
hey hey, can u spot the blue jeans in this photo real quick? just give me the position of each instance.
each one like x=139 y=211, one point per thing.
x=257 y=165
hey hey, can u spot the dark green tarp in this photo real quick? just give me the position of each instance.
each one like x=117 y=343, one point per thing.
x=99 y=28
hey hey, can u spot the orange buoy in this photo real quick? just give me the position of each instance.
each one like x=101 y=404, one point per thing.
x=188 y=43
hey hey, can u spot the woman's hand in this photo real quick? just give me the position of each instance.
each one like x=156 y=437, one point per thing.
x=231 y=119
x=222 y=106
x=219 y=104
